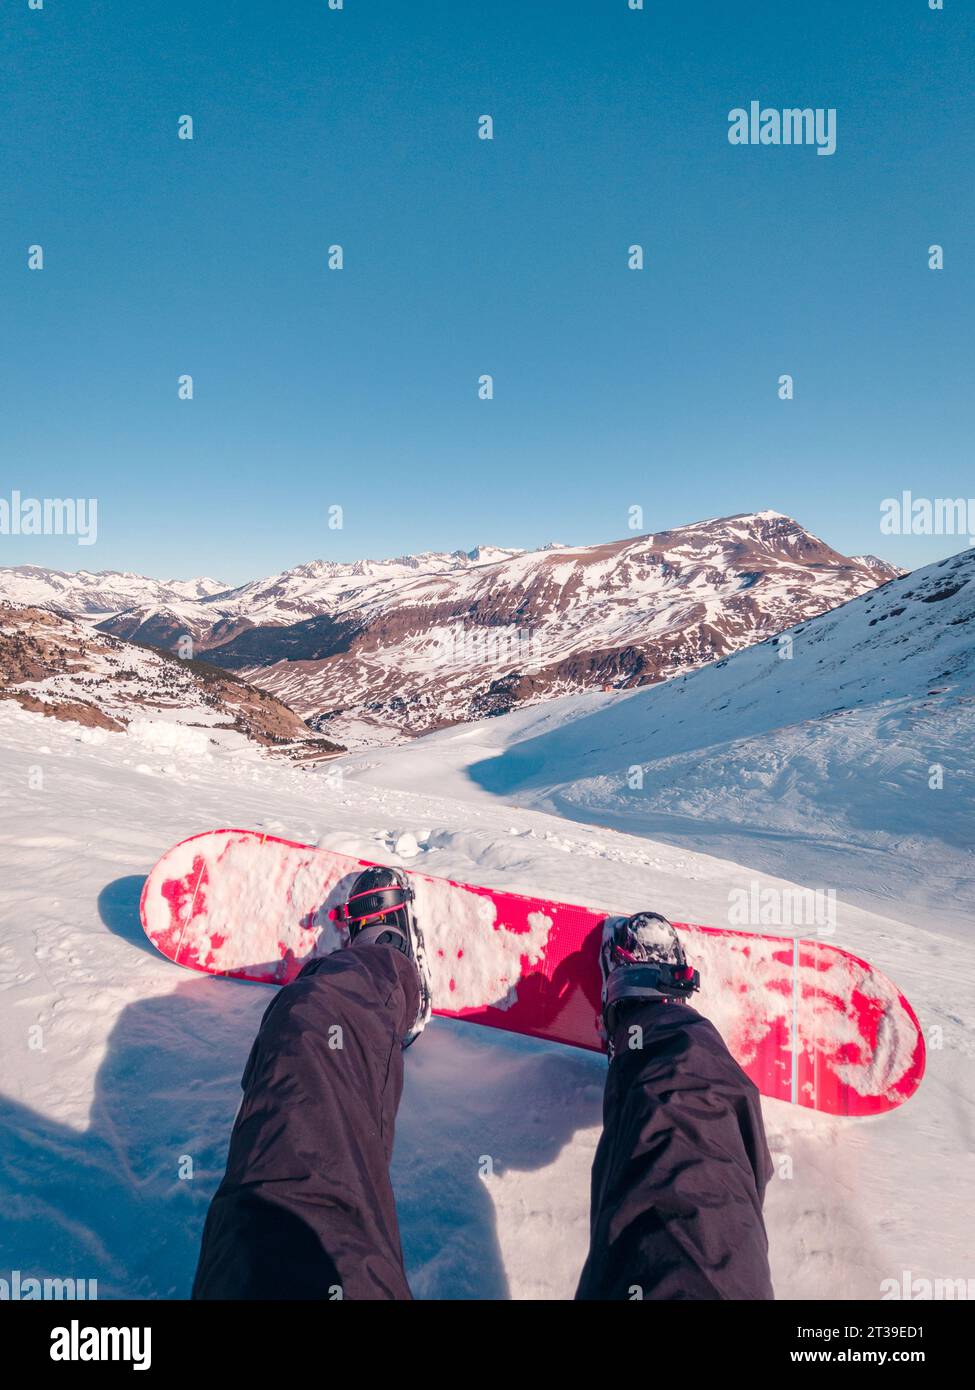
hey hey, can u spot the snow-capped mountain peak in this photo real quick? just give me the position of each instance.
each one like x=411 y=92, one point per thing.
x=490 y=554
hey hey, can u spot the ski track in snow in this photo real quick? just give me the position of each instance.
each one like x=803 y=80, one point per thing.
x=120 y=1070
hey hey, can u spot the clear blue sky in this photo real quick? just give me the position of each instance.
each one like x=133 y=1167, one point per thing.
x=463 y=256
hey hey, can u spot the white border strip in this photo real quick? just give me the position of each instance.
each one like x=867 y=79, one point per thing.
x=796 y=941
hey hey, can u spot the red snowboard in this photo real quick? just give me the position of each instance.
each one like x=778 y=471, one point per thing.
x=808 y=1022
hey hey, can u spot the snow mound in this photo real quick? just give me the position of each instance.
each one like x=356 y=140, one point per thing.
x=165 y=736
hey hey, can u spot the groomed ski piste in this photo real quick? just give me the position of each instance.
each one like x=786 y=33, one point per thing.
x=120 y=1071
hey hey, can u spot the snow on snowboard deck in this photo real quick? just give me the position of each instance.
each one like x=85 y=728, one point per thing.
x=807 y=1021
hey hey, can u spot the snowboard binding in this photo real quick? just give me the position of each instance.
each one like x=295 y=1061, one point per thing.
x=642 y=959
x=379 y=912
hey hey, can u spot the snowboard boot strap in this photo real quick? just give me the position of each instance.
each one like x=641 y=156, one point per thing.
x=374 y=902
x=653 y=980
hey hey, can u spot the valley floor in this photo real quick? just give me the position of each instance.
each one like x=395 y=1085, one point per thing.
x=120 y=1072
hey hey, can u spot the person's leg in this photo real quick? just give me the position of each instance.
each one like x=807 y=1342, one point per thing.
x=306 y=1208
x=681 y=1168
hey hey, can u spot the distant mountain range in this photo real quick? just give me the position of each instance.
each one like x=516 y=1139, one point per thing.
x=391 y=648
x=85 y=594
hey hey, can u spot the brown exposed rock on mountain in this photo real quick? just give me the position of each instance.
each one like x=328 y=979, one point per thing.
x=53 y=665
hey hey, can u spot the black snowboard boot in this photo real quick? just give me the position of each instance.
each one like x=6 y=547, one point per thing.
x=642 y=960
x=379 y=912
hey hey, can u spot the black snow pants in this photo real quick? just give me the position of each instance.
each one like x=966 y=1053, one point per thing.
x=306 y=1209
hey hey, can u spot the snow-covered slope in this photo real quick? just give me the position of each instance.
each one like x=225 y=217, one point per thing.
x=63 y=669
x=853 y=730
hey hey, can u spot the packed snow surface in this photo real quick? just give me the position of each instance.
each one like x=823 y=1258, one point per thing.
x=119 y=1068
